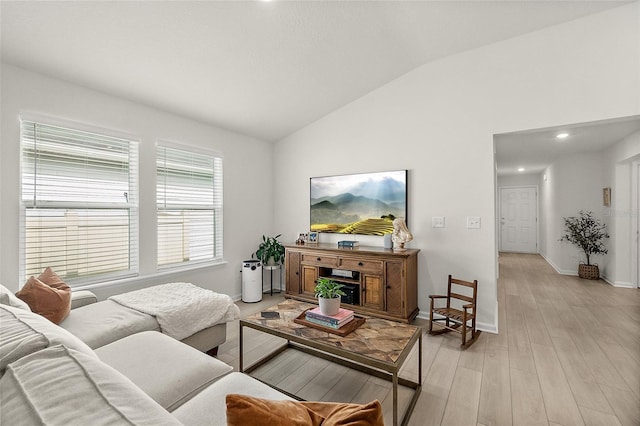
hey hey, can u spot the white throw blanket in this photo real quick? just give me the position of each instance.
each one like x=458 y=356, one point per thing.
x=181 y=309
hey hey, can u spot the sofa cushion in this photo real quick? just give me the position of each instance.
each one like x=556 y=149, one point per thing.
x=208 y=338
x=184 y=370
x=24 y=332
x=60 y=386
x=104 y=322
x=17 y=339
x=10 y=299
x=47 y=295
x=82 y=298
x=209 y=406
x=244 y=410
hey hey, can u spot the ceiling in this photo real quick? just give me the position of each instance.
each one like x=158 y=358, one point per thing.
x=264 y=69
x=535 y=150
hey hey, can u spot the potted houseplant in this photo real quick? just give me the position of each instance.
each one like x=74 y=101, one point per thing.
x=587 y=233
x=328 y=293
x=270 y=251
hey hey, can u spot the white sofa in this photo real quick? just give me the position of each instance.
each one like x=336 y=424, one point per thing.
x=49 y=376
x=100 y=323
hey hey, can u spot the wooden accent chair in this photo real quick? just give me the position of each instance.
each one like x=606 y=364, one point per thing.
x=457 y=315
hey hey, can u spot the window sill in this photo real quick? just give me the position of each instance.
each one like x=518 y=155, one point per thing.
x=164 y=272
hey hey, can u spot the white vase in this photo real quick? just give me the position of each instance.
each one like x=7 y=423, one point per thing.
x=387 y=242
x=329 y=306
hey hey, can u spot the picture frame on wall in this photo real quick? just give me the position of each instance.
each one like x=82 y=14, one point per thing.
x=606 y=197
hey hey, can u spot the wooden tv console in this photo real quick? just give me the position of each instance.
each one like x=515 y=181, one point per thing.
x=380 y=282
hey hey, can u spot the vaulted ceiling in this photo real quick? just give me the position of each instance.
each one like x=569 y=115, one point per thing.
x=264 y=69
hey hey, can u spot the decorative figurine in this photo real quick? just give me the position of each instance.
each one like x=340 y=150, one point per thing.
x=401 y=234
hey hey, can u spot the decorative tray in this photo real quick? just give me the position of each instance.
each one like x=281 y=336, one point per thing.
x=356 y=322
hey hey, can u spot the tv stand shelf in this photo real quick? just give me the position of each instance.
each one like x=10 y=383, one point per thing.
x=386 y=280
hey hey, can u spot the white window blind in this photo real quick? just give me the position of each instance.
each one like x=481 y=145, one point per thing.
x=79 y=203
x=189 y=201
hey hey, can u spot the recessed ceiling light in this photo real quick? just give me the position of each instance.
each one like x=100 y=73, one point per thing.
x=562 y=135
x=521 y=169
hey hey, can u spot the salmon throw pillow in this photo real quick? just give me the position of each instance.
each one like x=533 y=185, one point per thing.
x=248 y=411
x=47 y=295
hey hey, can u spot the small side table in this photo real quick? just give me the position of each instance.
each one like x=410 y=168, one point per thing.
x=272 y=268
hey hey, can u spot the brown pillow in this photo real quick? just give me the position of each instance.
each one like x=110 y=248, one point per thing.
x=47 y=295
x=248 y=411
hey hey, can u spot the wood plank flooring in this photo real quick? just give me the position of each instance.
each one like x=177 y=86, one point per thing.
x=568 y=353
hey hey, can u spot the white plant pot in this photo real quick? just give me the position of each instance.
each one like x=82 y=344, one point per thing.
x=329 y=306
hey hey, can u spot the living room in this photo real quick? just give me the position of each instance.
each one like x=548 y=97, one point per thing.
x=438 y=120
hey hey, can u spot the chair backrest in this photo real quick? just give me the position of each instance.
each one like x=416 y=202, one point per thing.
x=451 y=294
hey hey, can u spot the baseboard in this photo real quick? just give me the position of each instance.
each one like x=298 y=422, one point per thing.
x=489 y=328
x=557 y=269
x=622 y=284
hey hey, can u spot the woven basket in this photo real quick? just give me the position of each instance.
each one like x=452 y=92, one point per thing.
x=589 y=272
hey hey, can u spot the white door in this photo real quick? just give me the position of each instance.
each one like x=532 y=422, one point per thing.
x=519 y=219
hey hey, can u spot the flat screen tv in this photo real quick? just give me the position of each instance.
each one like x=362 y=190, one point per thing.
x=363 y=204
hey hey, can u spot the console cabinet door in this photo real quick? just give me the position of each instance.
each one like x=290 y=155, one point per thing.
x=372 y=292
x=293 y=273
x=395 y=284
x=309 y=277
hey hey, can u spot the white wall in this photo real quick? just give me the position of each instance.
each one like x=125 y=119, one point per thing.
x=438 y=122
x=620 y=174
x=248 y=206
x=574 y=183
x=527 y=179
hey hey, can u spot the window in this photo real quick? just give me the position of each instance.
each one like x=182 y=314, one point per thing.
x=79 y=203
x=189 y=201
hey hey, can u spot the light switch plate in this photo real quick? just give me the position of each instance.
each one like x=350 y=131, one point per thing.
x=437 y=222
x=473 y=222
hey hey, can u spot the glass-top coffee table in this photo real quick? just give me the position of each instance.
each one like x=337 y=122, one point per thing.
x=378 y=347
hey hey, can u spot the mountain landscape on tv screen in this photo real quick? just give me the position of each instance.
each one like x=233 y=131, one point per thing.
x=366 y=208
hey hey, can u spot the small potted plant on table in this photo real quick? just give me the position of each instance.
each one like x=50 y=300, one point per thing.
x=587 y=233
x=328 y=293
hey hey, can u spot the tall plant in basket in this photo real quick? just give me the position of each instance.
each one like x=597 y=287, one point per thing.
x=587 y=233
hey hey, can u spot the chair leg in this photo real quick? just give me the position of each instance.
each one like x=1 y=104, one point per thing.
x=464 y=328
x=431 y=316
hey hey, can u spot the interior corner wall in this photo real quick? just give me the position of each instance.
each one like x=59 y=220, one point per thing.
x=438 y=122
x=574 y=183
x=248 y=207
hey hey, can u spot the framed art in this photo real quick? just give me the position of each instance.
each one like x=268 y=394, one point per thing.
x=363 y=203
x=312 y=237
x=606 y=197
x=302 y=238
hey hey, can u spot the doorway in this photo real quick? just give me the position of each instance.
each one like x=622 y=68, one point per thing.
x=519 y=219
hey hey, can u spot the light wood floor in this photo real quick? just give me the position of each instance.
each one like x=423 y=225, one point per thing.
x=568 y=353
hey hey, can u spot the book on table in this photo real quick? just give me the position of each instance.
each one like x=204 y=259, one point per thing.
x=328 y=324
x=348 y=244
x=335 y=321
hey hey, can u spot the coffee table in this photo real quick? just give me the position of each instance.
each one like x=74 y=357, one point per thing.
x=379 y=347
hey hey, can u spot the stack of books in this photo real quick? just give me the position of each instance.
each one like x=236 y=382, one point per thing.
x=344 y=316
x=348 y=244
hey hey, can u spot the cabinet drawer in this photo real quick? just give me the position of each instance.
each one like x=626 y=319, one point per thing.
x=318 y=259
x=361 y=264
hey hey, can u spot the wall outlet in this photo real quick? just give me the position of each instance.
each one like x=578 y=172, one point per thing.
x=437 y=222
x=473 y=222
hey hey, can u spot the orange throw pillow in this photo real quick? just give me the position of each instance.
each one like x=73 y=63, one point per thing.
x=47 y=295
x=248 y=411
